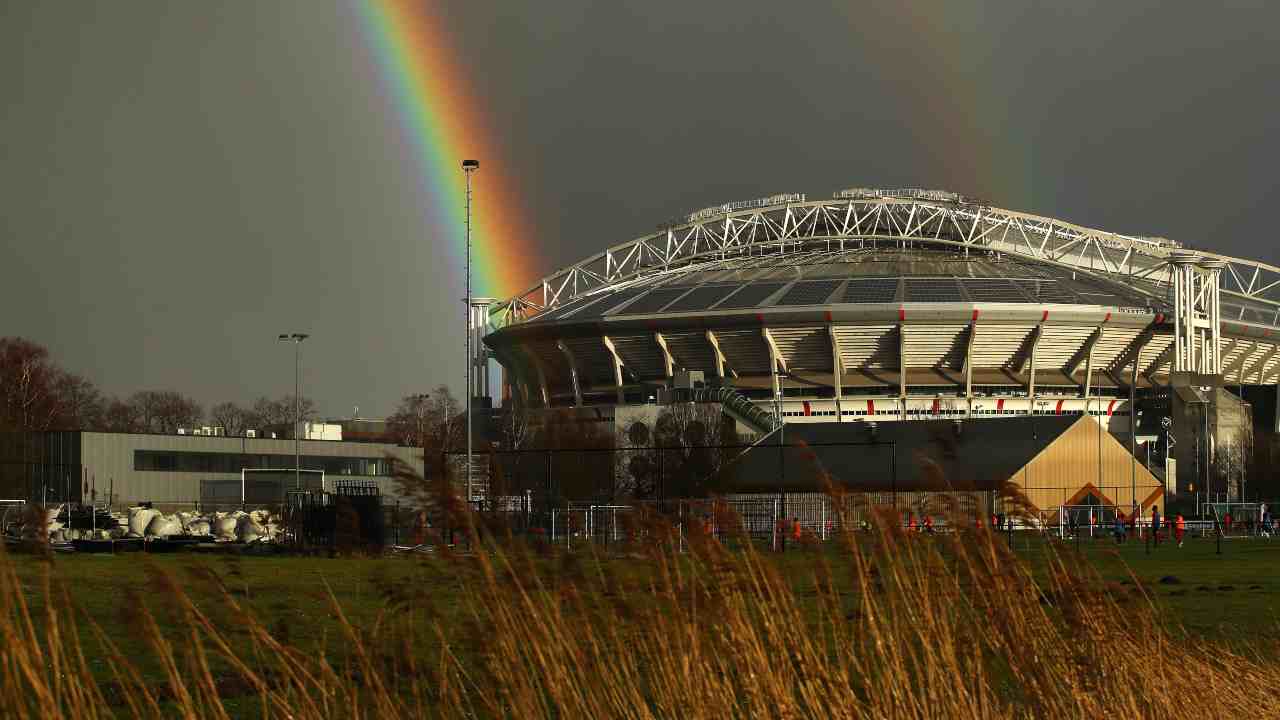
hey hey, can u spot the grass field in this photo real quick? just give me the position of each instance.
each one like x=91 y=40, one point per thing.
x=1234 y=596
x=464 y=616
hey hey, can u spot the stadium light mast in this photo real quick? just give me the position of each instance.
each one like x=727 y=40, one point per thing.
x=296 y=339
x=469 y=167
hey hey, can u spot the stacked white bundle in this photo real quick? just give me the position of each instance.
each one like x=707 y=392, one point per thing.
x=143 y=522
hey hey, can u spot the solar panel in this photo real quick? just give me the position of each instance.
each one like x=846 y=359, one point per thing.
x=702 y=298
x=932 y=291
x=992 y=290
x=622 y=297
x=569 y=308
x=871 y=290
x=654 y=301
x=750 y=295
x=1047 y=291
x=809 y=293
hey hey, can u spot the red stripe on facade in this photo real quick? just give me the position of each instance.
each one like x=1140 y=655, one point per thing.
x=1110 y=407
x=1058 y=410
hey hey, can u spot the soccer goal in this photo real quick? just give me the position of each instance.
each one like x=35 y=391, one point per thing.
x=1087 y=520
x=1237 y=519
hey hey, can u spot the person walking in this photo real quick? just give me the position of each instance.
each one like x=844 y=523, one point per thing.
x=1155 y=525
x=1179 y=528
x=1226 y=522
x=797 y=531
x=1118 y=528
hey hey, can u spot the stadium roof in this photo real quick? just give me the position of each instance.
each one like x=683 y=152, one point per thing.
x=854 y=276
x=752 y=243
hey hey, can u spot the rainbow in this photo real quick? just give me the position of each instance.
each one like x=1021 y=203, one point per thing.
x=443 y=122
x=959 y=121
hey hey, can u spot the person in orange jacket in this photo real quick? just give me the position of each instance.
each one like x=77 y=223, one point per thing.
x=1179 y=527
x=796 y=530
x=911 y=522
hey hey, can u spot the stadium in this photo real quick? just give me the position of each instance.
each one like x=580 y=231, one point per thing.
x=879 y=306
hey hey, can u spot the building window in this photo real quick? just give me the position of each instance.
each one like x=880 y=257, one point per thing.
x=233 y=463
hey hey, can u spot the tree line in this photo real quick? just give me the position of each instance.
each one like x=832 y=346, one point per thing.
x=37 y=394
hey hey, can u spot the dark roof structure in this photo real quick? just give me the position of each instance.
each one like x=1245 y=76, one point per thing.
x=935 y=455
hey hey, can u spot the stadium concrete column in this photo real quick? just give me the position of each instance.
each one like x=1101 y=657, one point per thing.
x=775 y=361
x=617 y=368
x=719 y=356
x=1028 y=364
x=902 y=362
x=668 y=362
x=837 y=371
x=1085 y=355
x=543 y=391
x=573 y=372
x=968 y=364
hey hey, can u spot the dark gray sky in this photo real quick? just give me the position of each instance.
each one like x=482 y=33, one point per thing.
x=183 y=181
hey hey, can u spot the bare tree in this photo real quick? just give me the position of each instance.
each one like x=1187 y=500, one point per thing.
x=27 y=376
x=681 y=454
x=231 y=417
x=121 y=416
x=435 y=424
x=81 y=404
x=269 y=413
x=146 y=409
x=164 y=411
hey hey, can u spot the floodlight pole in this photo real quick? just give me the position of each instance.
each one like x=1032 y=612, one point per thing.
x=468 y=167
x=296 y=339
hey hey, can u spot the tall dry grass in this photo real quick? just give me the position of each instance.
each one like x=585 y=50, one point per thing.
x=891 y=625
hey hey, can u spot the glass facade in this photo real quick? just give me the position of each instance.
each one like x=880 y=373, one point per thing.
x=210 y=462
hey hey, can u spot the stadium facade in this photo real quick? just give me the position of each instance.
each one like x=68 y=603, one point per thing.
x=898 y=305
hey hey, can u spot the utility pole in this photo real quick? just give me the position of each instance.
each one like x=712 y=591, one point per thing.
x=468 y=167
x=296 y=339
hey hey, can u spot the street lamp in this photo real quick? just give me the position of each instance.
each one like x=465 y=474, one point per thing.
x=296 y=339
x=468 y=167
x=420 y=402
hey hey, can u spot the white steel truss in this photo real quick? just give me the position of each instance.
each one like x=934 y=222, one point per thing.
x=1197 y=314
x=879 y=219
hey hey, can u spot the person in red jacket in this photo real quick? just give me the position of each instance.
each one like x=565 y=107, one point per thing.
x=1179 y=527
x=796 y=530
x=1226 y=522
x=928 y=523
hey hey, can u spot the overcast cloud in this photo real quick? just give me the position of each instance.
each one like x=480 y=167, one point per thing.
x=183 y=181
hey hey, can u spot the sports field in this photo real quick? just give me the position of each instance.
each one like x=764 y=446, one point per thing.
x=441 y=610
x=1233 y=596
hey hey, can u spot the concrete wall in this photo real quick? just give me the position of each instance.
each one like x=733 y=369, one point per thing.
x=109 y=460
x=1218 y=462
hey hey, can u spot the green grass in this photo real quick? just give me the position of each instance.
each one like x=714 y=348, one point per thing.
x=654 y=628
x=1234 y=597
